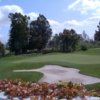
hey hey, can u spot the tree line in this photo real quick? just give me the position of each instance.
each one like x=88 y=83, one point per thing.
x=26 y=35
x=65 y=41
x=36 y=35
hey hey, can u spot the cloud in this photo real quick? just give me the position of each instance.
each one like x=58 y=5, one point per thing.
x=71 y=6
x=85 y=6
x=4 y=12
x=5 y=22
x=32 y=15
x=53 y=22
x=93 y=18
x=74 y=22
x=88 y=24
x=96 y=12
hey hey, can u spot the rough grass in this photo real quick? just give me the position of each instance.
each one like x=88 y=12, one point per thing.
x=87 y=61
x=27 y=76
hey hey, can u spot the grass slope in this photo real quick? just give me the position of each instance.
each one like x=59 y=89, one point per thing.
x=88 y=62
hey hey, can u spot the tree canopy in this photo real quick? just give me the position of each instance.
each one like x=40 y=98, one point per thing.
x=97 y=33
x=28 y=36
x=65 y=41
x=69 y=40
x=2 y=49
x=40 y=33
x=19 y=33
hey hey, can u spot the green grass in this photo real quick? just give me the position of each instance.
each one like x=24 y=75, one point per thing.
x=27 y=76
x=95 y=86
x=94 y=51
x=87 y=61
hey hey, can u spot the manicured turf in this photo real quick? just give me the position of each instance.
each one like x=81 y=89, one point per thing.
x=87 y=61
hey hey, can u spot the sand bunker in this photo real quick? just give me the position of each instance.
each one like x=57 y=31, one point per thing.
x=55 y=73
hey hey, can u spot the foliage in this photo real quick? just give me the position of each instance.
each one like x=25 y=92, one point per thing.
x=54 y=43
x=69 y=39
x=19 y=33
x=40 y=33
x=97 y=34
x=46 y=91
x=84 y=47
x=2 y=49
x=65 y=41
x=47 y=50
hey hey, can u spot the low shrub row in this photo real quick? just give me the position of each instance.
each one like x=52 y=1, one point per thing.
x=22 y=89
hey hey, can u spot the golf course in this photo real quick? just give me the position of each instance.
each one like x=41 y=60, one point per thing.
x=88 y=62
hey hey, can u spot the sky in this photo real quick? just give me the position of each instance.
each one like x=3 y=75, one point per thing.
x=77 y=14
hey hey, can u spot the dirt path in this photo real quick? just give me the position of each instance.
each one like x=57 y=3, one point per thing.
x=55 y=73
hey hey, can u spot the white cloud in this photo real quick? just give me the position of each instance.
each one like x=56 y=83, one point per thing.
x=90 y=8
x=71 y=6
x=4 y=20
x=74 y=22
x=96 y=12
x=93 y=18
x=4 y=12
x=53 y=22
x=88 y=24
x=84 y=6
x=33 y=15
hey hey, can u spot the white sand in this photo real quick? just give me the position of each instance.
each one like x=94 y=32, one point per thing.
x=55 y=73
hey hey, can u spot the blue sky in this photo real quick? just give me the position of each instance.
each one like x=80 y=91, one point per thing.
x=77 y=14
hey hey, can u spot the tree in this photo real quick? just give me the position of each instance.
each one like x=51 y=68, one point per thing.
x=74 y=39
x=97 y=33
x=69 y=40
x=85 y=37
x=85 y=41
x=40 y=33
x=19 y=33
x=54 y=43
x=2 y=49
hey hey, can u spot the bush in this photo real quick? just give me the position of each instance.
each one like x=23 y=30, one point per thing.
x=45 y=51
x=45 y=91
x=84 y=47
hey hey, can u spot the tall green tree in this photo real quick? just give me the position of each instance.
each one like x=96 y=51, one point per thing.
x=54 y=42
x=40 y=33
x=69 y=40
x=19 y=33
x=2 y=49
x=97 y=33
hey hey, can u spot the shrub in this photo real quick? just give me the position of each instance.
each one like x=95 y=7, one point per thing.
x=45 y=51
x=84 y=47
x=22 y=89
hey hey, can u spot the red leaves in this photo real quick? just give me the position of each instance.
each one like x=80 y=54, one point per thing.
x=46 y=91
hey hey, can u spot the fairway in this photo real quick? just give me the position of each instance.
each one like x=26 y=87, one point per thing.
x=62 y=57
x=87 y=62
